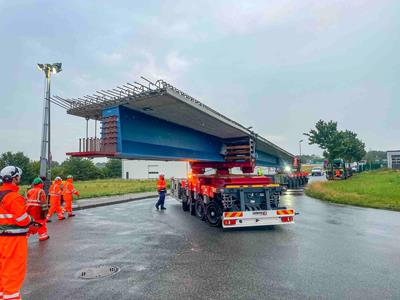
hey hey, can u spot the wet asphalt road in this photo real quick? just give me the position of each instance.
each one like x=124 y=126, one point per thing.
x=332 y=252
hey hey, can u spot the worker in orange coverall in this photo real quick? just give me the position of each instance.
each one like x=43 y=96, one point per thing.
x=37 y=207
x=15 y=224
x=162 y=190
x=68 y=192
x=55 y=193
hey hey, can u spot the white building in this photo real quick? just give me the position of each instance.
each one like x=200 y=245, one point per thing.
x=145 y=169
x=393 y=159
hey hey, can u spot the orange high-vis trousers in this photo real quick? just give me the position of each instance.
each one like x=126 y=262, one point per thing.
x=55 y=207
x=68 y=203
x=13 y=257
x=42 y=231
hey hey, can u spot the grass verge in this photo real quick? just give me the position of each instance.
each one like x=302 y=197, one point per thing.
x=376 y=189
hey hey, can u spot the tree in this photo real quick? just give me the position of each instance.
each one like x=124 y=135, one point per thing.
x=113 y=168
x=35 y=167
x=18 y=159
x=373 y=155
x=336 y=144
x=328 y=138
x=306 y=158
x=81 y=169
x=353 y=148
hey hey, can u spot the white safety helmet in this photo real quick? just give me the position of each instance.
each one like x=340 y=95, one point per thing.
x=10 y=172
x=58 y=178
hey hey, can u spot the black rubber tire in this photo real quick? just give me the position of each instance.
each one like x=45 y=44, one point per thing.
x=213 y=214
x=200 y=209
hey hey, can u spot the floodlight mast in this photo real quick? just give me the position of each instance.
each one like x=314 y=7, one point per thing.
x=45 y=153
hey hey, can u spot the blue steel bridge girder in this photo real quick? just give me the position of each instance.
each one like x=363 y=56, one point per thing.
x=141 y=136
x=144 y=137
x=267 y=160
x=160 y=122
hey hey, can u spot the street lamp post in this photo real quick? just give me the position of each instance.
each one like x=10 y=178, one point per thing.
x=300 y=150
x=45 y=156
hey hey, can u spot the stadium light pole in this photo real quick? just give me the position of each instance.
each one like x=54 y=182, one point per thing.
x=300 y=150
x=45 y=156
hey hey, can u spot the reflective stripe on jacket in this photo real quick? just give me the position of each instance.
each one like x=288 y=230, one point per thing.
x=14 y=220
x=69 y=189
x=36 y=203
x=36 y=197
x=55 y=191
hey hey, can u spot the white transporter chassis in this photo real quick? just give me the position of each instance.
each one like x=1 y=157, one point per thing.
x=257 y=218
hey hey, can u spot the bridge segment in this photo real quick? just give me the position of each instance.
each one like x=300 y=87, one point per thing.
x=156 y=121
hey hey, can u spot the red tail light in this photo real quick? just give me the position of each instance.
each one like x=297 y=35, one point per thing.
x=287 y=219
x=229 y=222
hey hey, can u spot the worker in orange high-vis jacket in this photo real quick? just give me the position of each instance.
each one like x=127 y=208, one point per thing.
x=14 y=227
x=55 y=193
x=162 y=190
x=37 y=207
x=68 y=192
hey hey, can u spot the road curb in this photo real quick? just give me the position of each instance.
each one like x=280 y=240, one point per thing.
x=94 y=205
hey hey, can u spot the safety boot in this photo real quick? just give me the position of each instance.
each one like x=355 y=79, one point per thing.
x=43 y=237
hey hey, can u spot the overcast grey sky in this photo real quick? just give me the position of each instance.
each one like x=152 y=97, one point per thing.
x=278 y=66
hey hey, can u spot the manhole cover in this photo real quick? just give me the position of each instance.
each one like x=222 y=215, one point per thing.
x=98 y=272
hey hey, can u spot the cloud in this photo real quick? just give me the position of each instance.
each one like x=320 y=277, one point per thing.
x=176 y=62
x=248 y=16
x=111 y=58
x=172 y=67
x=276 y=139
x=244 y=17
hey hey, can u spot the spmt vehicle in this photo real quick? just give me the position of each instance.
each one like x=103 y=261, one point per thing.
x=232 y=200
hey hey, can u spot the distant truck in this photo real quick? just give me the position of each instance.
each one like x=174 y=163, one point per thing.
x=292 y=178
x=338 y=170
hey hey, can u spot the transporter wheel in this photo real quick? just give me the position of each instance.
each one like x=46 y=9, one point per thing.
x=200 y=209
x=213 y=214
